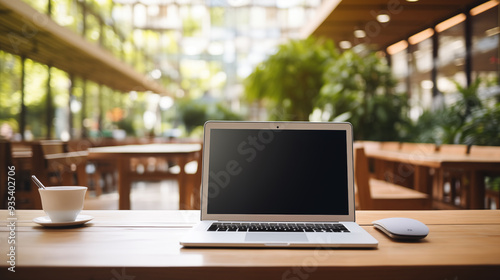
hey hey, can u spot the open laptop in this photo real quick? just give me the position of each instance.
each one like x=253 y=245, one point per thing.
x=278 y=184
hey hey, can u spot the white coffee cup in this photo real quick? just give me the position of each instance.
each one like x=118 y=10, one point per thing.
x=64 y=203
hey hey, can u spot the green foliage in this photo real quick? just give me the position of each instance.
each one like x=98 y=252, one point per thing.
x=483 y=127
x=217 y=16
x=127 y=125
x=221 y=112
x=360 y=89
x=192 y=114
x=191 y=27
x=310 y=74
x=195 y=113
x=291 y=79
x=467 y=103
x=469 y=120
x=492 y=183
x=10 y=95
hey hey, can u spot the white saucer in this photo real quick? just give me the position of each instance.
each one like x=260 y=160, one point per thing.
x=46 y=222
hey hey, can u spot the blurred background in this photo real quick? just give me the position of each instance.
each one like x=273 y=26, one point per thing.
x=399 y=70
x=101 y=72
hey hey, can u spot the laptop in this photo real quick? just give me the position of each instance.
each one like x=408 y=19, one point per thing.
x=278 y=184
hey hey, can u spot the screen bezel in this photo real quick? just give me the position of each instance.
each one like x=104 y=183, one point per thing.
x=345 y=126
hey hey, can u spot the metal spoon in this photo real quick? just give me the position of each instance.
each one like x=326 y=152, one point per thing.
x=37 y=182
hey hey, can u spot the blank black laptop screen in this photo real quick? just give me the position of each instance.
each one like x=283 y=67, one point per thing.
x=284 y=172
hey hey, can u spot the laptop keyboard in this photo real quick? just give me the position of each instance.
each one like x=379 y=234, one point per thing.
x=277 y=227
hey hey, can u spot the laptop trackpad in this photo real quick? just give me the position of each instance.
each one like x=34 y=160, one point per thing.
x=276 y=237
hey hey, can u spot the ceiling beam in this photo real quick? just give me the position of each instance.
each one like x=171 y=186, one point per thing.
x=406 y=19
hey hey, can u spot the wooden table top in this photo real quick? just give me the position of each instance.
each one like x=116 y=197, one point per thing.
x=462 y=244
x=146 y=149
x=434 y=159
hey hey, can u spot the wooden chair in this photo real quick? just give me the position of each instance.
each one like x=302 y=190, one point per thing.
x=492 y=197
x=16 y=155
x=374 y=194
x=450 y=184
x=102 y=174
x=5 y=164
x=194 y=178
x=48 y=160
x=55 y=166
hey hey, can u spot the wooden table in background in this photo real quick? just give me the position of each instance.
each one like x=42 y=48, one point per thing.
x=462 y=244
x=418 y=164
x=122 y=155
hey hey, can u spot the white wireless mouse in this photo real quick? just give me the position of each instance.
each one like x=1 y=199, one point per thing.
x=402 y=228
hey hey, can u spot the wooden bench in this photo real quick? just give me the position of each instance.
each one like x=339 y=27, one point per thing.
x=375 y=194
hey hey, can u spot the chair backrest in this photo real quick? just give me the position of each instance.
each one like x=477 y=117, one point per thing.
x=19 y=155
x=196 y=179
x=490 y=151
x=453 y=149
x=362 y=177
x=5 y=166
x=55 y=166
x=78 y=145
x=50 y=147
x=39 y=163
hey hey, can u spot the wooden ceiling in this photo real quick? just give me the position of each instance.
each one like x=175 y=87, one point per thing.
x=30 y=34
x=339 y=19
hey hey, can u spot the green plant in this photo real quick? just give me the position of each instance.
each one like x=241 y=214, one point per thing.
x=221 y=112
x=290 y=80
x=126 y=124
x=360 y=89
x=492 y=183
x=195 y=113
x=469 y=120
x=483 y=128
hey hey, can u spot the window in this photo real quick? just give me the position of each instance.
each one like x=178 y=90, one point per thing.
x=399 y=67
x=485 y=38
x=451 y=59
x=10 y=95
x=421 y=84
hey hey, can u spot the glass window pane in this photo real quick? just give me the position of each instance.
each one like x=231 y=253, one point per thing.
x=77 y=108
x=39 y=5
x=399 y=67
x=420 y=78
x=485 y=38
x=10 y=95
x=93 y=31
x=92 y=111
x=60 y=84
x=451 y=59
x=35 y=100
x=64 y=12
